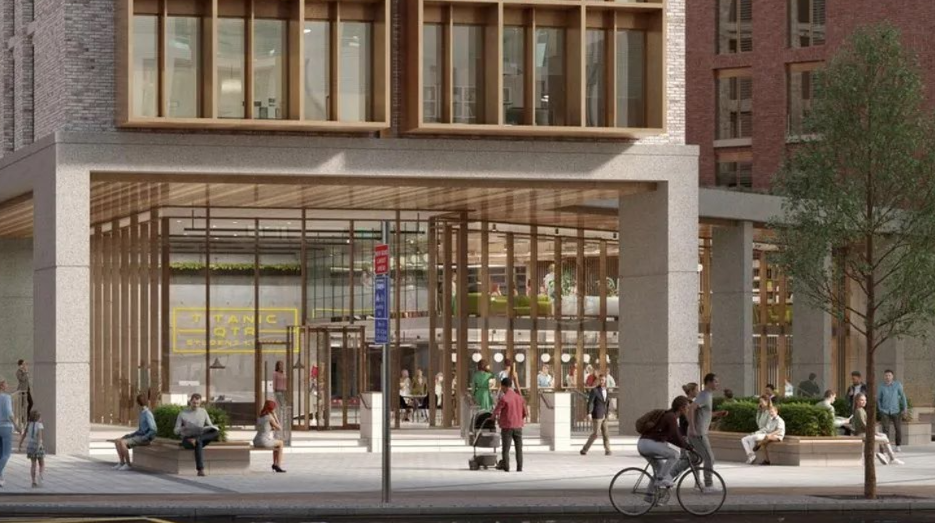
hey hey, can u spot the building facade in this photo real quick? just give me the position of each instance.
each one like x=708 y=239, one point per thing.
x=749 y=73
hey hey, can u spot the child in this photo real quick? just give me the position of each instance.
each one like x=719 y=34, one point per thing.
x=35 y=450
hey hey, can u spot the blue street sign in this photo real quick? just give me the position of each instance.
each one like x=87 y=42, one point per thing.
x=381 y=310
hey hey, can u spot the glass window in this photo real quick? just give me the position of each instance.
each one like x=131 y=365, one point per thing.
x=735 y=174
x=468 y=73
x=269 y=69
x=631 y=74
x=807 y=23
x=514 y=75
x=596 y=99
x=183 y=66
x=317 y=68
x=735 y=26
x=355 y=83
x=145 y=66
x=550 y=76
x=734 y=108
x=432 y=63
x=800 y=100
x=231 y=56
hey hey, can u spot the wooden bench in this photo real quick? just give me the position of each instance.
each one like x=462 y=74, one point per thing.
x=795 y=451
x=168 y=457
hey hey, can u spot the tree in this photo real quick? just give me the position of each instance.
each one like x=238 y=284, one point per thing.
x=859 y=205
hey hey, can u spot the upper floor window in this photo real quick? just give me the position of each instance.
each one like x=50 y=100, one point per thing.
x=735 y=170
x=801 y=88
x=734 y=26
x=539 y=69
x=262 y=64
x=806 y=23
x=734 y=105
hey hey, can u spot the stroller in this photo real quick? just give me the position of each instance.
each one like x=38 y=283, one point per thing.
x=483 y=434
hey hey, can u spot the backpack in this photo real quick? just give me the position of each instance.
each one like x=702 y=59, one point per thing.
x=647 y=422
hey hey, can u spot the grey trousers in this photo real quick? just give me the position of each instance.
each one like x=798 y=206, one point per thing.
x=703 y=447
x=664 y=456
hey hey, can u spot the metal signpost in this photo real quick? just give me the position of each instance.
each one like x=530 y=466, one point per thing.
x=381 y=335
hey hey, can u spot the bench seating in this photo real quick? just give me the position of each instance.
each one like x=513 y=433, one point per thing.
x=166 y=456
x=796 y=451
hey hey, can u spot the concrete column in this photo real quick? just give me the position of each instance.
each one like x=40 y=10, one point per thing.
x=61 y=316
x=15 y=306
x=891 y=355
x=811 y=343
x=658 y=297
x=371 y=421
x=731 y=307
x=555 y=420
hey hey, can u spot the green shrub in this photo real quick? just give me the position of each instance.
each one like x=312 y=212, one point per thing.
x=719 y=401
x=167 y=414
x=802 y=418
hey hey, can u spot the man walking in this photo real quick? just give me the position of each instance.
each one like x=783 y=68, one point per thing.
x=857 y=387
x=700 y=415
x=510 y=413
x=598 y=408
x=891 y=400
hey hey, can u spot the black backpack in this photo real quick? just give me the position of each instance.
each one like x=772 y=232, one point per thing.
x=648 y=422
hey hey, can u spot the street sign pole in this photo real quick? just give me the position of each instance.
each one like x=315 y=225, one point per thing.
x=381 y=303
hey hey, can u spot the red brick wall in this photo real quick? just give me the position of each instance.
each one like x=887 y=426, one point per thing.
x=769 y=59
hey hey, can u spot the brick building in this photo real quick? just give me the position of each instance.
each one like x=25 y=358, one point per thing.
x=748 y=72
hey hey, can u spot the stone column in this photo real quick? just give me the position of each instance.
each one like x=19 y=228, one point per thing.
x=811 y=343
x=658 y=298
x=15 y=306
x=555 y=420
x=731 y=307
x=61 y=316
x=371 y=421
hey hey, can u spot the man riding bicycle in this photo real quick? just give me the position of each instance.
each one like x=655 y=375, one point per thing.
x=661 y=444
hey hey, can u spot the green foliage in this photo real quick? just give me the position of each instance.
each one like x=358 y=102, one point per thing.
x=237 y=268
x=802 y=418
x=166 y=415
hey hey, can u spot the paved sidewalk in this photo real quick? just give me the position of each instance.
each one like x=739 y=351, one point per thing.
x=437 y=483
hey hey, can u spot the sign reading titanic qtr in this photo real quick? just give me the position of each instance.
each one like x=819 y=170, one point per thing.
x=233 y=329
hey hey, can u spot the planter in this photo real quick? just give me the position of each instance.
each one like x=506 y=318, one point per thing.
x=795 y=451
x=914 y=433
x=167 y=457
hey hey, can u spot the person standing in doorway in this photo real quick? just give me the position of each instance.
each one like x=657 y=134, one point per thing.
x=598 y=408
x=510 y=413
x=6 y=427
x=701 y=413
x=24 y=384
x=857 y=387
x=891 y=400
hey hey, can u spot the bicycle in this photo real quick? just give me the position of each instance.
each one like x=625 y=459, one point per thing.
x=632 y=491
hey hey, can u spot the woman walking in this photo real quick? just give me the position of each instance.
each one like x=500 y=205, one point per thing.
x=265 y=425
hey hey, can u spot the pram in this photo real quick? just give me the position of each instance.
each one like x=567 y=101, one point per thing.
x=483 y=434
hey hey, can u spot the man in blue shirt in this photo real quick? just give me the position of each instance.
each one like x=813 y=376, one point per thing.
x=143 y=435
x=891 y=401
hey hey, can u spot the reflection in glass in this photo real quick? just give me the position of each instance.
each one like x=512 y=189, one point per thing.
x=514 y=75
x=550 y=76
x=468 y=72
x=230 y=68
x=145 y=66
x=317 y=69
x=269 y=69
x=183 y=66
x=356 y=81
x=631 y=73
x=596 y=99
x=432 y=72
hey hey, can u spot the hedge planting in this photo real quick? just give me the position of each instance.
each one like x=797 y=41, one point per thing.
x=841 y=408
x=167 y=414
x=802 y=419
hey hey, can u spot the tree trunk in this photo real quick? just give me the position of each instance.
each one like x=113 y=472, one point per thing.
x=870 y=471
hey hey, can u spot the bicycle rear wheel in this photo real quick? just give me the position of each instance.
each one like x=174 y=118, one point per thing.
x=632 y=492
x=698 y=498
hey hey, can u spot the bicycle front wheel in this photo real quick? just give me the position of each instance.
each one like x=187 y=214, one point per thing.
x=700 y=496
x=632 y=492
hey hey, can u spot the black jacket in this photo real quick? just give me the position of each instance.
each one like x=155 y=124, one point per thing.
x=597 y=406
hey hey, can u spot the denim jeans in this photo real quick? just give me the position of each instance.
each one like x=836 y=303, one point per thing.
x=6 y=445
x=200 y=443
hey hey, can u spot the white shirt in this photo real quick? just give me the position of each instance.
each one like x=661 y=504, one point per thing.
x=776 y=425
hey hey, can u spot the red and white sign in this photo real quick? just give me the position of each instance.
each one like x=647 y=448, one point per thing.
x=381 y=259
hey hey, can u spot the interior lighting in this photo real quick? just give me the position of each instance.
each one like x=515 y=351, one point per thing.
x=545 y=357
x=454 y=357
x=520 y=357
x=566 y=358
x=475 y=357
x=498 y=357
x=587 y=358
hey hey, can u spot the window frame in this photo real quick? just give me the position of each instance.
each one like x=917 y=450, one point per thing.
x=734 y=19
x=576 y=17
x=793 y=41
x=294 y=13
x=732 y=74
x=736 y=158
x=799 y=68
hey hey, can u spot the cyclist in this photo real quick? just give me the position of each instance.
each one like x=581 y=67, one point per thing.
x=662 y=443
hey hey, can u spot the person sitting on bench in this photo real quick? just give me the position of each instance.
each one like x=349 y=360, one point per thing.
x=197 y=430
x=775 y=430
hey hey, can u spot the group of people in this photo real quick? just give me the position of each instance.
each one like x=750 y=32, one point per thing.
x=545 y=379
x=31 y=434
